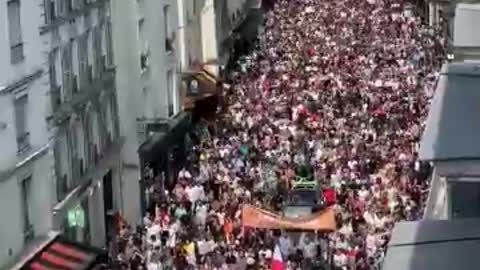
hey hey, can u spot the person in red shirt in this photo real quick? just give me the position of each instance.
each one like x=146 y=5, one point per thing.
x=330 y=196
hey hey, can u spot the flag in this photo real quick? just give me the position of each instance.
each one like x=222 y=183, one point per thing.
x=277 y=261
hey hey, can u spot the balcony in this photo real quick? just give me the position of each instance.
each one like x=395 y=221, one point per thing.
x=57 y=17
x=89 y=92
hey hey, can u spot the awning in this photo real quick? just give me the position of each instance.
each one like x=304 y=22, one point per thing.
x=198 y=86
x=259 y=218
x=152 y=149
x=154 y=144
x=64 y=254
x=248 y=29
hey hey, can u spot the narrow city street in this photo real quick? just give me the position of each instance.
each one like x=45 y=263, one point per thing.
x=237 y=134
x=323 y=120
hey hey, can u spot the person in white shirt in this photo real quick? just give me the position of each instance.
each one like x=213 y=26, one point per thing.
x=309 y=248
x=184 y=174
x=147 y=220
x=153 y=259
x=285 y=245
x=201 y=215
x=340 y=260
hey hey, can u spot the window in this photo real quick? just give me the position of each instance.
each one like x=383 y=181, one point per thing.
x=145 y=94
x=82 y=51
x=50 y=10
x=69 y=5
x=23 y=136
x=55 y=94
x=15 y=31
x=464 y=199
x=67 y=72
x=61 y=184
x=115 y=120
x=143 y=61
x=52 y=71
x=97 y=50
x=25 y=192
x=72 y=141
x=62 y=7
x=141 y=33
x=109 y=42
x=144 y=50
x=170 y=93
x=166 y=24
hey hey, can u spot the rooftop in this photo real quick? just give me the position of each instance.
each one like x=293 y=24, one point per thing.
x=453 y=124
x=439 y=245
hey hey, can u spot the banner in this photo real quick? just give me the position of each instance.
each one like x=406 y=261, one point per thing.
x=259 y=218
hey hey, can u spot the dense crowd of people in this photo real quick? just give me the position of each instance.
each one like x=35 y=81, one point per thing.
x=339 y=86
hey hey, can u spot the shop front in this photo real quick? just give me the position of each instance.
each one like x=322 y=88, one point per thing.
x=82 y=220
x=203 y=94
x=162 y=157
x=83 y=216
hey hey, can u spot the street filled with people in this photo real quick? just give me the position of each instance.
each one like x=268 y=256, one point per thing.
x=340 y=87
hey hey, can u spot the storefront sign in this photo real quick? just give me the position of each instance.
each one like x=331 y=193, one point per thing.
x=76 y=217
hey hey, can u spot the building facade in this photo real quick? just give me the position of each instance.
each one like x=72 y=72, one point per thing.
x=449 y=142
x=147 y=82
x=83 y=118
x=26 y=181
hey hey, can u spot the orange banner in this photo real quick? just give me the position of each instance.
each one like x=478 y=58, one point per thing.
x=259 y=218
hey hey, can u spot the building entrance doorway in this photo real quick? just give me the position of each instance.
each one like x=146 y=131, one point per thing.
x=109 y=214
